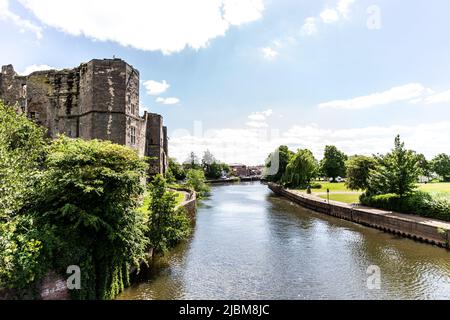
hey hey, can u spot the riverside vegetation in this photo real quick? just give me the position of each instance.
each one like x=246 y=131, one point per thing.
x=74 y=202
x=387 y=181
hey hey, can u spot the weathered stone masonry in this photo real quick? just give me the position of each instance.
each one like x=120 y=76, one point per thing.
x=97 y=100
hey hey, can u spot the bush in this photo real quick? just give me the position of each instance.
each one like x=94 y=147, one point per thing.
x=316 y=186
x=419 y=203
x=196 y=180
x=167 y=227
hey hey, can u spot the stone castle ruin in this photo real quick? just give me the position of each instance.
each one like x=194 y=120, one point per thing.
x=97 y=100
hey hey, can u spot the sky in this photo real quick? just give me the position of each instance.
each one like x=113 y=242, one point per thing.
x=241 y=77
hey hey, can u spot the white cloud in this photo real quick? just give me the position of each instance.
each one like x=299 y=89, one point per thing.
x=269 y=53
x=168 y=26
x=310 y=26
x=329 y=16
x=36 y=67
x=257 y=124
x=168 y=101
x=442 y=97
x=252 y=145
x=343 y=7
x=23 y=24
x=155 y=88
x=397 y=94
x=237 y=12
x=258 y=119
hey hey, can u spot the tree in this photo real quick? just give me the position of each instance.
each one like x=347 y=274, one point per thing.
x=196 y=180
x=424 y=165
x=358 y=170
x=441 y=165
x=176 y=171
x=276 y=164
x=167 y=227
x=302 y=168
x=192 y=162
x=333 y=163
x=396 y=172
x=214 y=170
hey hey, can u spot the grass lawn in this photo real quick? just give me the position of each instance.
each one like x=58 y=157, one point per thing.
x=334 y=187
x=179 y=198
x=442 y=188
x=343 y=197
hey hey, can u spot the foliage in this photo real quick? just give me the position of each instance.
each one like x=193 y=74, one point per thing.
x=196 y=180
x=302 y=168
x=358 y=170
x=166 y=227
x=396 y=172
x=420 y=203
x=276 y=164
x=88 y=196
x=192 y=162
x=441 y=165
x=21 y=149
x=333 y=163
x=176 y=171
x=424 y=165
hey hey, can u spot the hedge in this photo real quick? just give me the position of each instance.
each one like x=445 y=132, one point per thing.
x=419 y=203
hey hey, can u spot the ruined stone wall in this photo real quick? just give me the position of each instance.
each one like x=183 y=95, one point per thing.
x=13 y=88
x=97 y=100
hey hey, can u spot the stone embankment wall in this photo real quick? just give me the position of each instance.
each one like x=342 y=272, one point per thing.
x=423 y=229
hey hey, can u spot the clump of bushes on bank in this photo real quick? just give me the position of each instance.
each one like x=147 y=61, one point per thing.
x=420 y=203
x=74 y=202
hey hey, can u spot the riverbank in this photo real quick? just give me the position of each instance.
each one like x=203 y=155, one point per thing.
x=53 y=286
x=423 y=229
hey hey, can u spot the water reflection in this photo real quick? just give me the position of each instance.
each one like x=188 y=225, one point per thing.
x=250 y=244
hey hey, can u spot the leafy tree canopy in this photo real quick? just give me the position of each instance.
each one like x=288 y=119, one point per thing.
x=302 y=168
x=396 y=172
x=333 y=163
x=358 y=170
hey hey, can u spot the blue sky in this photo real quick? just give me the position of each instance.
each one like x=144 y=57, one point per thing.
x=241 y=77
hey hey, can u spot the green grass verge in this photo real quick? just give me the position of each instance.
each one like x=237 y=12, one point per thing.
x=179 y=198
x=343 y=197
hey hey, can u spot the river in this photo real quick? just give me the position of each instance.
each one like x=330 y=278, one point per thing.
x=250 y=244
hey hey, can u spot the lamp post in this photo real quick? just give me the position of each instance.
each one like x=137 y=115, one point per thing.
x=328 y=195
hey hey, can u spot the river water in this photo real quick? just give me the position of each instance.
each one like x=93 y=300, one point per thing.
x=250 y=244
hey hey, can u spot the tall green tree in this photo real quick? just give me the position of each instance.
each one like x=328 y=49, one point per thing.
x=333 y=163
x=302 y=168
x=176 y=171
x=396 y=172
x=167 y=227
x=441 y=165
x=358 y=170
x=276 y=164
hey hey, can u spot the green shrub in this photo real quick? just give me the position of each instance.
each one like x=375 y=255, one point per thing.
x=316 y=186
x=419 y=203
x=196 y=180
x=167 y=227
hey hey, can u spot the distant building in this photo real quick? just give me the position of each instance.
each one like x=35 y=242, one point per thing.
x=97 y=100
x=238 y=169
